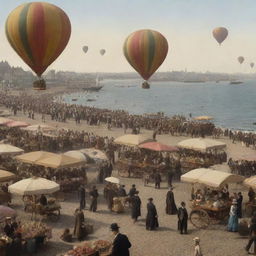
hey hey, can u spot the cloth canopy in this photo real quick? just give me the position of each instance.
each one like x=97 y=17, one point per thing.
x=33 y=157
x=4 y=121
x=6 y=212
x=34 y=186
x=201 y=144
x=76 y=154
x=112 y=180
x=132 y=140
x=6 y=176
x=59 y=161
x=95 y=154
x=39 y=128
x=211 y=178
x=6 y=149
x=203 y=118
x=250 y=182
x=17 y=124
x=156 y=146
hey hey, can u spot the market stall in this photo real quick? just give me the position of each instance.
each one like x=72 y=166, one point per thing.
x=209 y=207
x=7 y=149
x=132 y=140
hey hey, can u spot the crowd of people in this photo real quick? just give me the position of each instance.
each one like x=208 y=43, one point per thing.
x=242 y=167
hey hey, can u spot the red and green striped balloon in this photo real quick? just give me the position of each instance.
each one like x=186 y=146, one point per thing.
x=145 y=50
x=38 y=32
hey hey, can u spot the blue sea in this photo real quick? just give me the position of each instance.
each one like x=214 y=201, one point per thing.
x=232 y=105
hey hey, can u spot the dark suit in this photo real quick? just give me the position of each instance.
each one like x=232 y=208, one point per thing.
x=252 y=237
x=182 y=220
x=82 y=197
x=121 y=245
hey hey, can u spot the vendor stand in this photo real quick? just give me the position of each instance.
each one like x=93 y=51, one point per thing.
x=5 y=196
x=212 y=209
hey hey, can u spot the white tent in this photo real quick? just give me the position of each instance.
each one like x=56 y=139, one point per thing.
x=132 y=139
x=76 y=154
x=34 y=186
x=201 y=144
x=6 y=149
x=211 y=178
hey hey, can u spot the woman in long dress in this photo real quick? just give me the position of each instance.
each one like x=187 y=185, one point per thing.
x=170 y=203
x=233 y=219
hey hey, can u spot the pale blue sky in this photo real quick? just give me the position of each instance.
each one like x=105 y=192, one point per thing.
x=187 y=25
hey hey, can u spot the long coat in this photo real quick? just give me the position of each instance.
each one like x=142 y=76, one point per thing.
x=151 y=219
x=78 y=230
x=170 y=203
x=121 y=245
x=135 y=207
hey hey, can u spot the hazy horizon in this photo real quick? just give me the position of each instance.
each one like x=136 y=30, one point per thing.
x=187 y=25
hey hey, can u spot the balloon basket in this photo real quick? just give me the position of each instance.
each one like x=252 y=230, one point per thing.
x=145 y=85
x=39 y=85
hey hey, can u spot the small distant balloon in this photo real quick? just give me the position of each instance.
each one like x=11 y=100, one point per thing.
x=240 y=59
x=85 y=49
x=220 y=34
x=102 y=52
x=252 y=64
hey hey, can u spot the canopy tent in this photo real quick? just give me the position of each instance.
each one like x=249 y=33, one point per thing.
x=33 y=157
x=76 y=154
x=112 y=180
x=250 y=182
x=6 y=212
x=6 y=176
x=59 y=161
x=211 y=178
x=7 y=149
x=39 y=128
x=95 y=154
x=17 y=124
x=157 y=146
x=132 y=140
x=201 y=144
x=34 y=186
x=4 y=121
x=203 y=118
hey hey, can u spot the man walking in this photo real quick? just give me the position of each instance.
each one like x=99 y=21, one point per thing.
x=252 y=233
x=182 y=219
x=94 y=199
x=81 y=193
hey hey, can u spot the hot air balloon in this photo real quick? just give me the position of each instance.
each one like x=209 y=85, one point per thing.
x=220 y=34
x=102 y=52
x=85 y=49
x=145 y=50
x=252 y=64
x=240 y=59
x=38 y=32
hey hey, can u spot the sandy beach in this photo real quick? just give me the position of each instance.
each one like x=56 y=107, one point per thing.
x=165 y=241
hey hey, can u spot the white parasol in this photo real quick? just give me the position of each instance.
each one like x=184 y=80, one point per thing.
x=112 y=180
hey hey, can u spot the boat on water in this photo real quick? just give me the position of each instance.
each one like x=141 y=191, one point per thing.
x=74 y=99
x=91 y=100
x=194 y=81
x=236 y=82
x=95 y=88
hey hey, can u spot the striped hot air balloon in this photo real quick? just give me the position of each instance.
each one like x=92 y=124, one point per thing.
x=145 y=50
x=38 y=32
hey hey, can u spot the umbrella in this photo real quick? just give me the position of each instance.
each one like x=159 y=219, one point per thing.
x=201 y=144
x=76 y=154
x=4 y=121
x=6 y=176
x=112 y=180
x=34 y=156
x=59 y=161
x=210 y=177
x=250 y=182
x=132 y=140
x=203 y=118
x=39 y=127
x=156 y=146
x=6 y=212
x=34 y=186
x=17 y=124
x=6 y=149
x=94 y=154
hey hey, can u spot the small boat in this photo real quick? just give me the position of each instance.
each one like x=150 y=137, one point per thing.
x=91 y=100
x=236 y=82
x=74 y=99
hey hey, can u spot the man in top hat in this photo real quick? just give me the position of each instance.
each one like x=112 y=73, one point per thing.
x=197 y=251
x=132 y=191
x=121 y=243
x=182 y=219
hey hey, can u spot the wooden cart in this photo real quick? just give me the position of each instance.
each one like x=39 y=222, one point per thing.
x=202 y=216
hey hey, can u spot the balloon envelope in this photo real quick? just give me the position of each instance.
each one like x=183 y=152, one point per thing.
x=38 y=32
x=252 y=64
x=102 y=51
x=240 y=59
x=220 y=34
x=145 y=50
x=85 y=49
